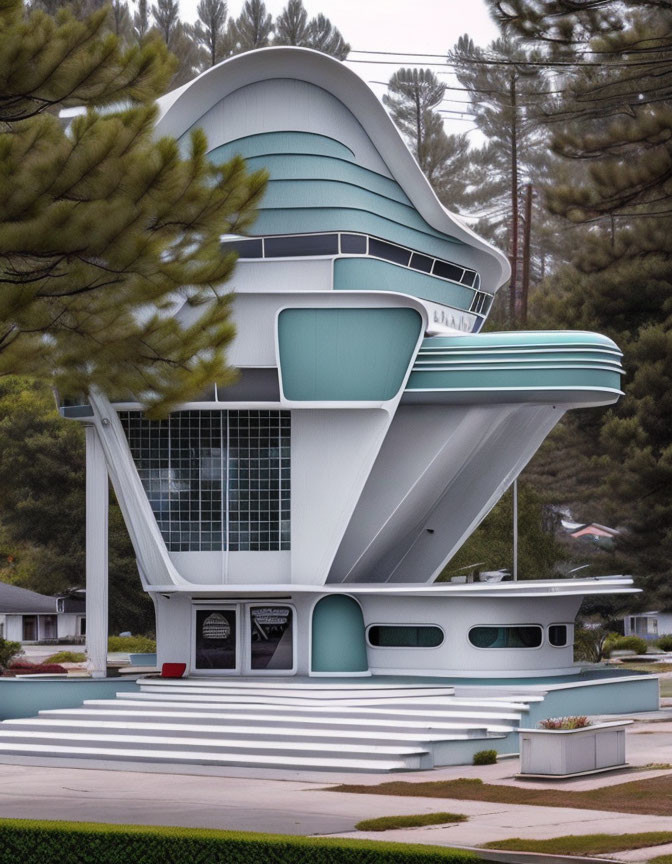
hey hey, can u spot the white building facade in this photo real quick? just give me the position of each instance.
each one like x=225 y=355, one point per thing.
x=296 y=522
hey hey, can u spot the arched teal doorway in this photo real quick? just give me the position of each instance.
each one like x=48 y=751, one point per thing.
x=338 y=640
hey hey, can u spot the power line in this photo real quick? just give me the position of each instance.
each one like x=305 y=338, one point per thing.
x=478 y=61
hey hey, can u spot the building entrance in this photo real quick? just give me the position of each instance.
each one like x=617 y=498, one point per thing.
x=244 y=639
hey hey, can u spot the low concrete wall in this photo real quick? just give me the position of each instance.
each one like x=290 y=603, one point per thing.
x=21 y=697
x=598 y=697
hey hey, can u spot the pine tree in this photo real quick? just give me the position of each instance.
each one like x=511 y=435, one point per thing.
x=324 y=37
x=253 y=27
x=503 y=95
x=141 y=23
x=210 y=31
x=612 y=119
x=291 y=25
x=166 y=15
x=412 y=98
x=100 y=224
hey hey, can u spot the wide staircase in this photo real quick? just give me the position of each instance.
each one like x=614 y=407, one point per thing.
x=360 y=725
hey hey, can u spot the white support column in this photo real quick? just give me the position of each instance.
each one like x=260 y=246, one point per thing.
x=97 y=497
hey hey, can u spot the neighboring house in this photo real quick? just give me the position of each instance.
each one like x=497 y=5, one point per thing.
x=600 y=534
x=26 y=616
x=648 y=625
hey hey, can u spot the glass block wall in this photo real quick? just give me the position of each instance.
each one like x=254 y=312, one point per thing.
x=216 y=478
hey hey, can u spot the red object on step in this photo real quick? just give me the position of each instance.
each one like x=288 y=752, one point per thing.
x=173 y=670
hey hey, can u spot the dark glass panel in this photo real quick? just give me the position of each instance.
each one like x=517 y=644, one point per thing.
x=216 y=639
x=355 y=243
x=388 y=251
x=448 y=271
x=469 y=278
x=272 y=640
x=301 y=244
x=405 y=636
x=557 y=635
x=421 y=262
x=525 y=636
x=245 y=248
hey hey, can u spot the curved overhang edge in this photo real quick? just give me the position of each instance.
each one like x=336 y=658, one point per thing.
x=181 y=108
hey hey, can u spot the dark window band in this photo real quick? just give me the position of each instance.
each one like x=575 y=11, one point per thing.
x=520 y=636
x=405 y=636
x=299 y=245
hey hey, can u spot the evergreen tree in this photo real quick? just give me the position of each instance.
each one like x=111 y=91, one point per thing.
x=43 y=507
x=412 y=98
x=101 y=226
x=504 y=86
x=291 y=25
x=490 y=547
x=166 y=15
x=612 y=117
x=122 y=25
x=210 y=31
x=324 y=37
x=141 y=22
x=253 y=27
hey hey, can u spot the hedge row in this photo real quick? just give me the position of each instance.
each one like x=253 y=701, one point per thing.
x=31 y=842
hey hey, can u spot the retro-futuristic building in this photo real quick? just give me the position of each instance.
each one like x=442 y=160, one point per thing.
x=296 y=522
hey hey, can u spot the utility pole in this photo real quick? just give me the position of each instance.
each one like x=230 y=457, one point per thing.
x=527 y=232
x=514 y=199
x=515 y=530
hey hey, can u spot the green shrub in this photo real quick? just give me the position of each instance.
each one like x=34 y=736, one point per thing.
x=664 y=642
x=626 y=643
x=131 y=644
x=590 y=644
x=485 y=757
x=66 y=657
x=33 y=842
x=389 y=823
x=8 y=651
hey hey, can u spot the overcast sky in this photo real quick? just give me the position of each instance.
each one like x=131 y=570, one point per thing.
x=426 y=26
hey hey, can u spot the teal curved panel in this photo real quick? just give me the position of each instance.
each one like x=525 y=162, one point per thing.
x=281 y=142
x=506 y=378
x=522 y=339
x=309 y=194
x=371 y=274
x=349 y=355
x=338 y=636
x=316 y=220
x=292 y=166
x=538 y=363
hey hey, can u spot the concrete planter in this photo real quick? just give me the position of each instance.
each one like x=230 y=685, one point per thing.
x=571 y=752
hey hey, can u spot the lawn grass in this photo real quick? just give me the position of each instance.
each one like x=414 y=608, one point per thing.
x=642 y=666
x=666 y=687
x=652 y=796
x=586 y=844
x=388 y=823
x=661 y=859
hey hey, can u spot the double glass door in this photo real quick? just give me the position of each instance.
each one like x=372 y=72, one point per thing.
x=244 y=639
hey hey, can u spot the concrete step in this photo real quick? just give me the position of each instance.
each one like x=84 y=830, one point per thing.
x=136 y=713
x=416 y=711
x=203 y=744
x=231 y=732
x=295 y=693
x=195 y=757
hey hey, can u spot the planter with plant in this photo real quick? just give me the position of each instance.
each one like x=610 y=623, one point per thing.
x=570 y=746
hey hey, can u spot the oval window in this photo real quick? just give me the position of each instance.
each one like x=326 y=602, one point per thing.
x=520 y=636
x=405 y=636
